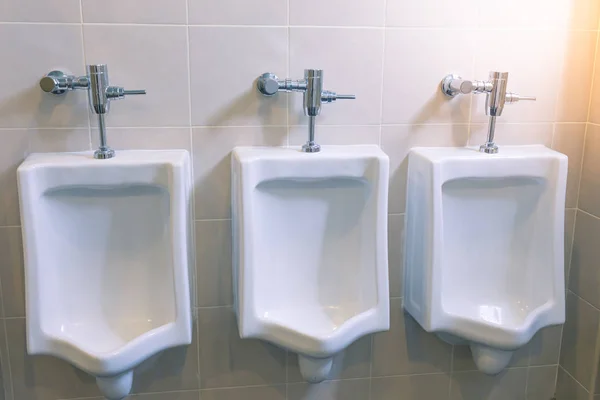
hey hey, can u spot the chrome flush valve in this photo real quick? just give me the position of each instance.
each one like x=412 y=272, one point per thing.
x=314 y=96
x=100 y=93
x=496 y=98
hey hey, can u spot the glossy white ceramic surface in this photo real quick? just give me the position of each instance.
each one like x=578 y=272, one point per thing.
x=107 y=258
x=484 y=245
x=310 y=247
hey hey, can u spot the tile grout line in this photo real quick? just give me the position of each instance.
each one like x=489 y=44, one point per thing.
x=595 y=361
x=527 y=376
x=471 y=100
x=587 y=127
x=83 y=53
x=193 y=198
x=584 y=300
x=287 y=72
x=585 y=138
x=208 y=127
x=379 y=142
x=8 y=366
x=451 y=370
x=383 y=59
x=372 y=340
x=594 y=65
x=10 y=374
x=572 y=377
x=370 y=27
x=562 y=328
x=587 y=213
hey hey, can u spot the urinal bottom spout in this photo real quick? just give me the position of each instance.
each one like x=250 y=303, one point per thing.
x=116 y=387
x=315 y=370
x=489 y=360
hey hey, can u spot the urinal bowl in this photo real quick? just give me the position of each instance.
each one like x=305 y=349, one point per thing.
x=107 y=259
x=484 y=257
x=310 y=249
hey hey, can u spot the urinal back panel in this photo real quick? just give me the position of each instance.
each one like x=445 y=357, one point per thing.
x=109 y=253
x=497 y=247
x=314 y=245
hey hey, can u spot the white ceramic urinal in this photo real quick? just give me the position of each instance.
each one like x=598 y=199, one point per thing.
x=484 y=246
x=310 y=248
x=107 y=253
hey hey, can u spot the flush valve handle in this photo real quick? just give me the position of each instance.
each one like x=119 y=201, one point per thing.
x=117 y=92
x=515 y=98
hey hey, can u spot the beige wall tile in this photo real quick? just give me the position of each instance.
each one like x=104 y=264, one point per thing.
x=28 y=52
x=143 y=57
x=518 y=14
x=508 y=384
x=237 y=12
x=568 y=139
x=337 y=13
x=400 y=350
x=213 y=263
x=569 y=389
x=247 y=393
x=545 y=346
x=223 y=88
x=226 y=360
x=589 y=191
x=541 y=382
x=416 y=387
x=12 y=153
x=579 y=340
x=344 y=54
x=432 y=13
x=584 y=276
x=569 y=233
x=336 y=135
x=512 y=53
x=188 y=395
x=135 y=11
x=397 y=141
x=335 y=390
x=212 y=164
x=145 y=138
x=7 y=386
x=411 y=94
x=39 y=11
x=575 y=82
x=12 y=272
x=396 y=254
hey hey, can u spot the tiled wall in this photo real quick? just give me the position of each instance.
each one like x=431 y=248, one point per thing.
x=579 y=372
x=198 y=59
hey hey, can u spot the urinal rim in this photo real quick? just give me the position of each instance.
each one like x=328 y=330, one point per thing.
x=320 y=347
x=127 y=356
